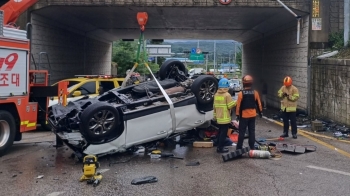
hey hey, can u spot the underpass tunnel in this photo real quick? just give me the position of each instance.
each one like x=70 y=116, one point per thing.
x=79 y=39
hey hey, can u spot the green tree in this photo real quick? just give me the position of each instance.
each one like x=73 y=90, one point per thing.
x=124 y=54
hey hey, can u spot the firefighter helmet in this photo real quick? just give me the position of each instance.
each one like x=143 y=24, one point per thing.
x=287 y=81
x=223 y=83
x=247 y=79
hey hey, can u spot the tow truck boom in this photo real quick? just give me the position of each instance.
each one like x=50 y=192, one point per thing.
x=14 y=8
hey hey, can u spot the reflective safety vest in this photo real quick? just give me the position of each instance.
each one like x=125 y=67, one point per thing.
x=223 y=103
x=289 y=103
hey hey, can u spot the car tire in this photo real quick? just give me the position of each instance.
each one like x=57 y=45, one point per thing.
x=100 y=121
x=204 y=88
x=7 y=131
x=167 y=67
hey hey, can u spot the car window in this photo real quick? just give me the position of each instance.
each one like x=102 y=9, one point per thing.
x=87 y=88
x=107 y=85
x=72 y=87
x=70 y=83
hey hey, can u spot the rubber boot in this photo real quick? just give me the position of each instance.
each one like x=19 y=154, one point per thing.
x=284 y=135
x=223 y=150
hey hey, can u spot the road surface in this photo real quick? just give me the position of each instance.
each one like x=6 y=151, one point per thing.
x=324 y=172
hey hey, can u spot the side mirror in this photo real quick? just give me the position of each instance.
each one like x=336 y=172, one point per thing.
x=76 y=93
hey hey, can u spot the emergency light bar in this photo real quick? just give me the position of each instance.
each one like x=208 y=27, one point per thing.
x=95 y=76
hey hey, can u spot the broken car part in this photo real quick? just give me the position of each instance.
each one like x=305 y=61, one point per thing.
x=144 y=180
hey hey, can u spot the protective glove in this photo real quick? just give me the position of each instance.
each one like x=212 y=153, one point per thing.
x=237 y=118
x=260 y=114
x=285 y=95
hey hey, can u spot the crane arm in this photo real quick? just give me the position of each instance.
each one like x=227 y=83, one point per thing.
x=14 y=8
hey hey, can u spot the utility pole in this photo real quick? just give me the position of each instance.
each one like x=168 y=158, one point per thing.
x=214 y=55
x=206 y=60
x=235 y=53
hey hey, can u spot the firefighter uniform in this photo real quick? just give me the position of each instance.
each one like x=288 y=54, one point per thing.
x=223 y=103
x=247 y=103
x=289 y=95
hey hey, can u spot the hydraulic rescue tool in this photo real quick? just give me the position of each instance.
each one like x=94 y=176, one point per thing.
x=89 y=170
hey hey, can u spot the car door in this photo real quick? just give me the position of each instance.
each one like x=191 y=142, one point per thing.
x=147 y=124
x=188 y=115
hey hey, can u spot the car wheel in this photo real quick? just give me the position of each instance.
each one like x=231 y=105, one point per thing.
x=173 y=69
x=7 y=131
x=100 y=121
x=204 y=88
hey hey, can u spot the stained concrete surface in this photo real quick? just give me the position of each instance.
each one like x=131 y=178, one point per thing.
x=288 y=175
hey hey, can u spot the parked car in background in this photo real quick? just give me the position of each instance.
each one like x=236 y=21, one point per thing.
x=194 y=71
x=235 y=84
x=84 y=85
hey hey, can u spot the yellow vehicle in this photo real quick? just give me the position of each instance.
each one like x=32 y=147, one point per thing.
x=88 y=85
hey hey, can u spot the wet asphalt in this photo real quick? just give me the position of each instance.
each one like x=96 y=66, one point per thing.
x=288 y=175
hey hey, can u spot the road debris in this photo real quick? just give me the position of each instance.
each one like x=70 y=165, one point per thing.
x=193 y=163
x=144 y=180
x=40 y=177
x=295 y=148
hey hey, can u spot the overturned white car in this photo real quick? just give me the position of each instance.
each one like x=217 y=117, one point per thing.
x=126 y=117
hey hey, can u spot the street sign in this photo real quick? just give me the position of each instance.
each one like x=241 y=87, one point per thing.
x=198 y=51
x=197 y=57
x=193 y=51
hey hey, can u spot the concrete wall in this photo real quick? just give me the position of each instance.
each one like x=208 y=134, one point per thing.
x=70 y=52
x=336 y=18
x=276 y=55
x=296 y=4
x=330 y=90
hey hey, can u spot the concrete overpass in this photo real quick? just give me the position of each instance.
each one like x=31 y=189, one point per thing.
x=77 y=34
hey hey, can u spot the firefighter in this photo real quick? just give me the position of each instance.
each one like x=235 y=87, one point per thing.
x=248 y=102
x=289 y=95
x=223 y=103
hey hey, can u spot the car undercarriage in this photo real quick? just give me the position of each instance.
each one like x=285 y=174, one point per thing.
x=128 y=116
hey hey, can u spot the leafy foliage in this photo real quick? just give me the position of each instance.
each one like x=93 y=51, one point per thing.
x=124 y=55
x=336 y=40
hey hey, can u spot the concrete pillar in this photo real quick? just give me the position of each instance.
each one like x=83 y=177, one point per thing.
x=319 y=28
x=346 y=21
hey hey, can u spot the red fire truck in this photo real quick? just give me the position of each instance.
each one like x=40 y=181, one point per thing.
x=23 y=92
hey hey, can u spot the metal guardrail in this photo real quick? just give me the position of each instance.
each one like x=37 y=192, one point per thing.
x=296 y=4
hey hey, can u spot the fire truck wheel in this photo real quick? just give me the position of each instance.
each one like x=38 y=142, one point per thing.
x=100 y=121
x=7 y=131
